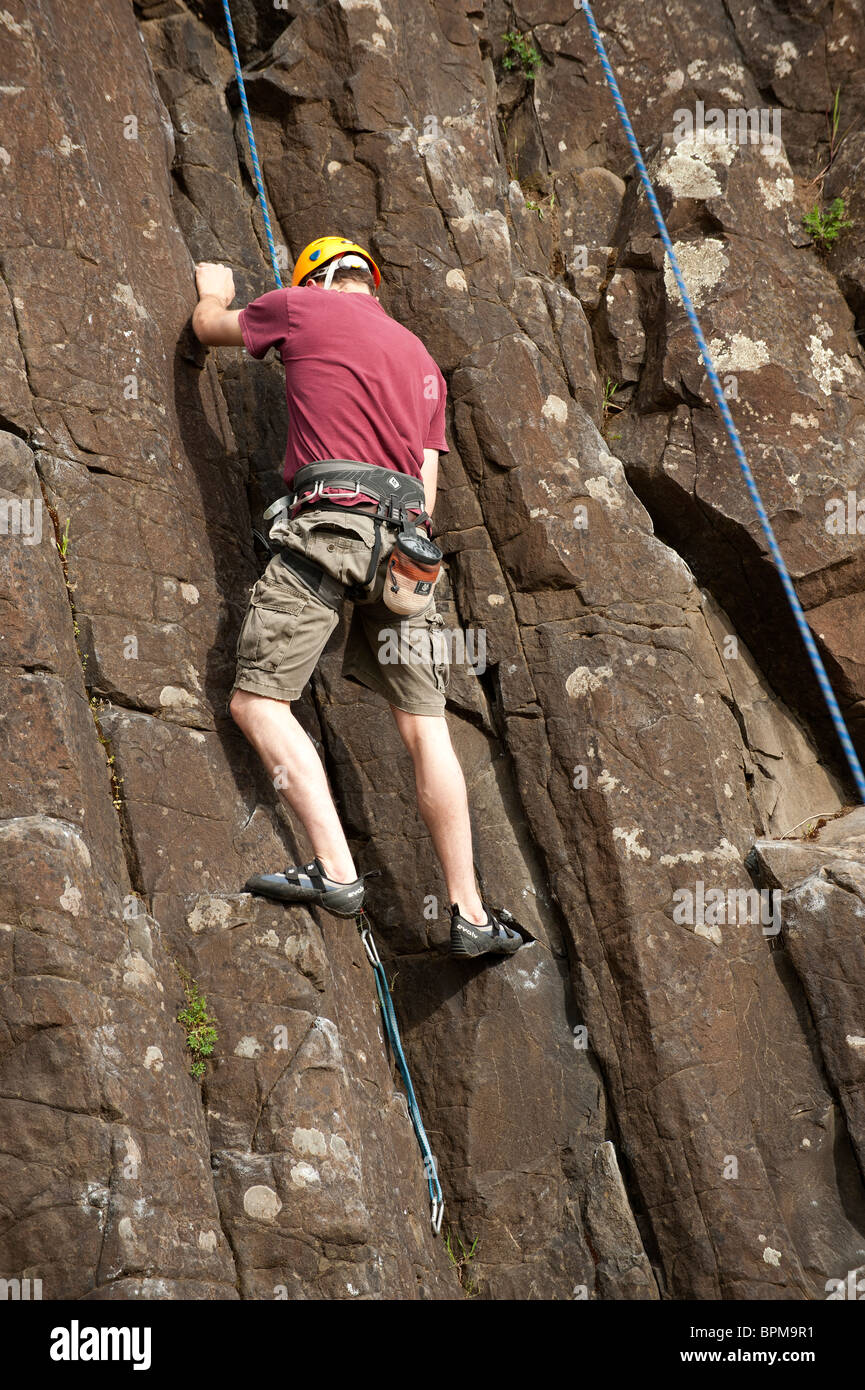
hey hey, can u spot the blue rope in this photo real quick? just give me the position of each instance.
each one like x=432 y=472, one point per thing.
x=732 y=432
x=437 y=1201
x=256 y=168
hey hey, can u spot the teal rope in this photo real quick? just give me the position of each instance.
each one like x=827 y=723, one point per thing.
x=732 y=433
x=250 y=135
x=391 y=1028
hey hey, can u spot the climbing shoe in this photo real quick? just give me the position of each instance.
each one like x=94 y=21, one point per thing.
x=308 y=883
x=497 y=937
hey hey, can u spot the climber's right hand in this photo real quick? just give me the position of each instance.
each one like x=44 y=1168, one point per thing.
x=213 y=323
x=216 y=280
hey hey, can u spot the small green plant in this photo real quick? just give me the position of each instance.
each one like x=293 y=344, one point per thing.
x=462 y=1261
x=520 y=52
x=833 y=124
x=610 y=406
x=610 y=403
x=201 y=1034
x=814 y=823
x=61 y=540
x=814 y=828
x=825 y=226
x=537 y=201
x=834 y=121
x=96 y=708
x=512 y=151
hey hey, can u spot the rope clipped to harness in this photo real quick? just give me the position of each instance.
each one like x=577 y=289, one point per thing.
x=732 y=433
x=437 y=1201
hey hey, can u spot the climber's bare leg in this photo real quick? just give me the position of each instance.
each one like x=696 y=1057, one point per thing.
x=297 y=772
x=443 y=804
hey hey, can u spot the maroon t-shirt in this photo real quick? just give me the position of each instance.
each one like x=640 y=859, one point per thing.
x=358 y=384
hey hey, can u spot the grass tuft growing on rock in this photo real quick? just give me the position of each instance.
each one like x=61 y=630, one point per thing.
x=462 y=1261
x=610 y=407
x=96 y=706
x=62 y=540
x=200 y=1025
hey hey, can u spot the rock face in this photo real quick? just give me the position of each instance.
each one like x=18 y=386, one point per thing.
x=659 y=1098
x=821 y=886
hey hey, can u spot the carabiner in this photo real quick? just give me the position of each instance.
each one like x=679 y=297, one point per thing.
x=276 y=507
x=370 y=946
x=438 y=1211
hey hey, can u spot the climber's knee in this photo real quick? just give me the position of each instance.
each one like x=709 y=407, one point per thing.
x=241 y=706
x=418 y=730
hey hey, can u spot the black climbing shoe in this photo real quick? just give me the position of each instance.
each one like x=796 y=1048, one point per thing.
x=497 y=938
x=308 y=883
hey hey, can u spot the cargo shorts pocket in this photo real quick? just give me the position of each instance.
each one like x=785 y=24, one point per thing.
x=434 y=624
x=333 y=538
x=267 y=630
x=441 y=662
x=342 y=549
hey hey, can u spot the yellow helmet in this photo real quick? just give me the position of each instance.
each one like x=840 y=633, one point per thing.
x=322 y=250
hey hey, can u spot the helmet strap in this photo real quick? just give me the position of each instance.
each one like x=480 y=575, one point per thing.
x=325 y=277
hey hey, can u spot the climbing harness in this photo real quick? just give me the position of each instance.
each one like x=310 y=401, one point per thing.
x=395 y=493
x=437 y=1201
x=732 y=433
x=256 y=168
x=415 y=561
x=401 y=491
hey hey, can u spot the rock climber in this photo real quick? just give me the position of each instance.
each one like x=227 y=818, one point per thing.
x=366 y=407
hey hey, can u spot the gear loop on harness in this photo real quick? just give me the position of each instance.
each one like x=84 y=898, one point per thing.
x=395 y=493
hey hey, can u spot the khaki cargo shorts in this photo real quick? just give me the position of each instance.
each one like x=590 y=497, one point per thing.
x=287 y=626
